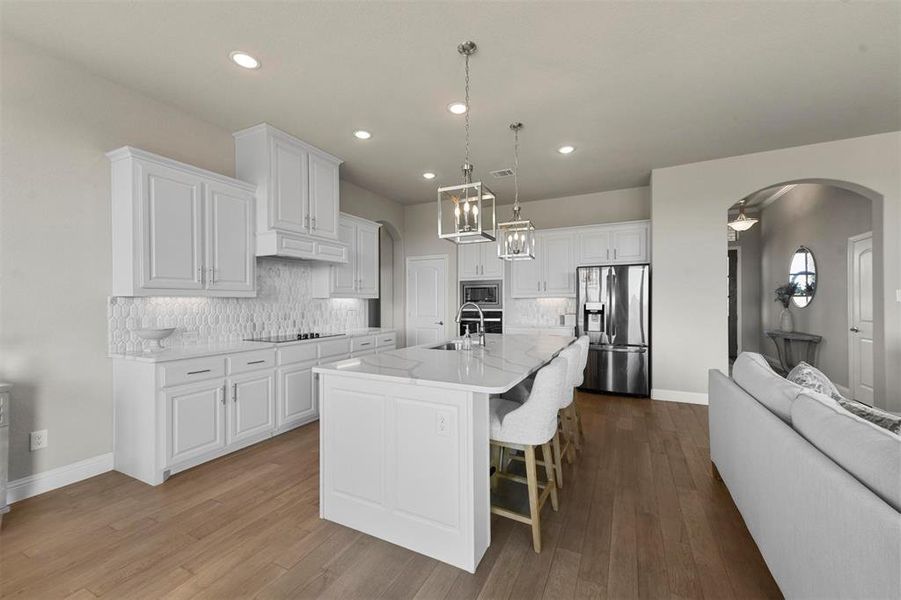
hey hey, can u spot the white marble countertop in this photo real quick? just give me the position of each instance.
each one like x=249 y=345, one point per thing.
x=5 y=387
x=183 y=352
x=505 y=361
x=198 y=350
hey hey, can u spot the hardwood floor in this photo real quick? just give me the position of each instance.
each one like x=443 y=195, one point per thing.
x=640 y=516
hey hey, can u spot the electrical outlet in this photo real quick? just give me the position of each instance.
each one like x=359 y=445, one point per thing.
x=442 y=424
x=38 y=439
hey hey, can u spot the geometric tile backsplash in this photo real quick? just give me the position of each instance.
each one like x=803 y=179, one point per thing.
x=541 y=312
x=284 y=304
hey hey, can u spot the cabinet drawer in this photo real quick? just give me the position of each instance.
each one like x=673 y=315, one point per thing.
x=298 y=353
x=334 y=348
x=362 y=344
x=385 y=339
x=251 y=361
x=189 y=371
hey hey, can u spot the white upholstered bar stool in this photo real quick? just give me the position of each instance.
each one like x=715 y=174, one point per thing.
x=525 y=427
x=568 y=427
x=579 y=379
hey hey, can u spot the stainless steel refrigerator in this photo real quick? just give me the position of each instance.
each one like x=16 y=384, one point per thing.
x=613 y=309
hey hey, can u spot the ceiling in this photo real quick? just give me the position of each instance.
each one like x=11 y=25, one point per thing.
x=633 y=86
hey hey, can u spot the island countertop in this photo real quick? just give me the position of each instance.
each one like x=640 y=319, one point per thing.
x=501 y=364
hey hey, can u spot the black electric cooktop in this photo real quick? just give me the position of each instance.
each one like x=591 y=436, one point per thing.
x=292 y=337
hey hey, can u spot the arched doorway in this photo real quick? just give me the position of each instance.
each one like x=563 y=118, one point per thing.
x=391 y=279
x=804 y=237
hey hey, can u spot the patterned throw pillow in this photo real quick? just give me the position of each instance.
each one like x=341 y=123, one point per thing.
x=812 y=378
x=872 y=414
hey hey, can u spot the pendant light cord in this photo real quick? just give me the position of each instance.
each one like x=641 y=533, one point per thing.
x=516 y=169
x=467 y=169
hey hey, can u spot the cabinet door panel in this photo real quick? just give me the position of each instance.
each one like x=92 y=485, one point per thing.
x=171 y=228
x=469 y=260
x=492 y=266
x=323 y=197
x=367 y=252
x=252 y=408
x=593 y=247
x=525 y=275
x=289 y=203
x=295 y=394
x=630 y=244
x=231 y=257
x=344 y=275
x=558 y=264
x=195 y=421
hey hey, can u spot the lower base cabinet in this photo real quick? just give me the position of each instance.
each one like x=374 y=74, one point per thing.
x=252 y=406
x=296 y=396
x=195 y=420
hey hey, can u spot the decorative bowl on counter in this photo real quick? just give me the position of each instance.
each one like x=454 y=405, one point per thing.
x=155 y=336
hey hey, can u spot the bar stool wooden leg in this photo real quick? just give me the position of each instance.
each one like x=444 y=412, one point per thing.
x=558 y=460
x=574 y=425
x=534 y=509
x=549 y=471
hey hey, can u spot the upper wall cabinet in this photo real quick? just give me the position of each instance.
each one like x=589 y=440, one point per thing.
x=559 y=251
x=297 y=194
x=359 y=277
x=178 y=230
x=479 y=261
x=613 y=244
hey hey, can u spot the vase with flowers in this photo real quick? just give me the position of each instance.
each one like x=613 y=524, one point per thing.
x=784 y=294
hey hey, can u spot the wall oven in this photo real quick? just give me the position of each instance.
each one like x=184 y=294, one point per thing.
x=487 y=294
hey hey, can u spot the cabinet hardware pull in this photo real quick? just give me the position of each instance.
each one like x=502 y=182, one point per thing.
x=202 y=278
x=212 y=276
x=256 y=362
x=198 y=372
x=545 y=286
x=235 y=392
x=314 y=222
x=608 y=253
x=614 y=254
x=224 y=394
x=539 y=286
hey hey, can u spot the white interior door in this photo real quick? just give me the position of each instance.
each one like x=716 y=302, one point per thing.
x=426 y=299
x=860 y=317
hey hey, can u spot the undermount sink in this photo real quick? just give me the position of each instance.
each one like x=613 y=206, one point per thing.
x=453 y=345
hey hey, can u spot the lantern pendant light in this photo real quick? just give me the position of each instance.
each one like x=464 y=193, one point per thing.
x=516 y=238
x=743 y=222
x=466 y=212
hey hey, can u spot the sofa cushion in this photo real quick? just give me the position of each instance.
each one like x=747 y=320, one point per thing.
x=868 y=452
x=754 y=375
x=812 y=378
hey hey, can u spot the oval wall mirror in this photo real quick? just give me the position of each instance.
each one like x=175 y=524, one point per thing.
x=803 y=272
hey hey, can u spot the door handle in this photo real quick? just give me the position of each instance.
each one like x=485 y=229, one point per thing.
x=439 y=322
x=855 y=330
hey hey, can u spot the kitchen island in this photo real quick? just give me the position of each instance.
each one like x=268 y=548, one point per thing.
x=404 y=452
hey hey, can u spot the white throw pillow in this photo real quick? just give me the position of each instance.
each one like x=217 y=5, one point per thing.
x=754 y=375
x=810 y=377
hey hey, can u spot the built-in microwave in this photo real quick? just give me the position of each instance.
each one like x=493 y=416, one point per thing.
x=487 y=294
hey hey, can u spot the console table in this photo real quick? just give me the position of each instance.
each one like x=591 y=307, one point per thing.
x=793 y=347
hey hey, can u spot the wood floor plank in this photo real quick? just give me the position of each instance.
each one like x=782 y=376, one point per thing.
x=640 y=517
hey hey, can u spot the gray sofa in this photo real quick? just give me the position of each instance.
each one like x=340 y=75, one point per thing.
x=818 y=487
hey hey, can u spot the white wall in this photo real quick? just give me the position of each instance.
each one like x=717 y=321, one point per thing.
x=57 y=121
x=689 y=243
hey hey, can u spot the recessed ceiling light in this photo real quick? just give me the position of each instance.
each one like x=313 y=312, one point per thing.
x=428 y=175
x=242 y=59
x=362 y=134
x=458 y=108
x=565 y=149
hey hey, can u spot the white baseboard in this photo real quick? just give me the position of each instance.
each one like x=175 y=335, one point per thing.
x=32 y=485
x=677 y=396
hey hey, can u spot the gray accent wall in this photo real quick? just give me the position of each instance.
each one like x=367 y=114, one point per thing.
x=821 y=217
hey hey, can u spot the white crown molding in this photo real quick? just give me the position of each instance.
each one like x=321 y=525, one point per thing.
x=45 y=481
x=677 y=396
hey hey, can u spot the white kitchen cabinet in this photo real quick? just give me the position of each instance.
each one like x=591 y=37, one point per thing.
x=174 y=415
x=178 y=230
x=359 y=277
x=297 y=194
x=479 y=261
x=296 y=395
x=617 y=243
x=252 y=406
x=195 y=419
x=552 y=273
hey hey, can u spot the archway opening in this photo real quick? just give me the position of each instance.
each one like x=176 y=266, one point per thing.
x=388 y=310
x=804 y=281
